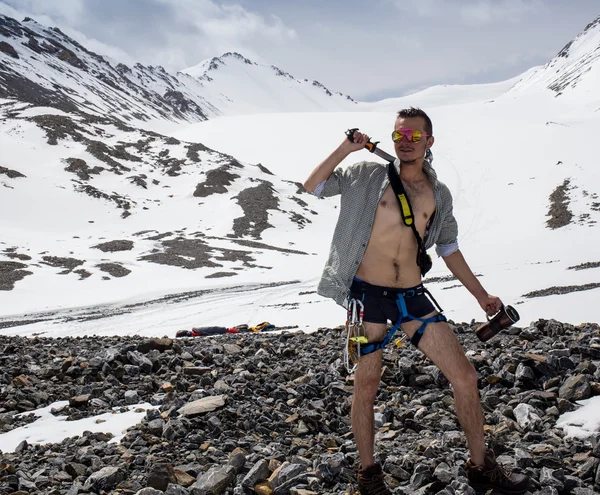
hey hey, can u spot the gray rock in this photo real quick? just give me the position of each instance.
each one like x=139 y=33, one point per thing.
x=330 y=466
x=288 y=472
x=215 y=481
x=105 y=479
x=258 y=472
x=584 y=491
x=443 y=473
x=552 y=477
x=527 y=417
x=156 y=426
x=421 y=476
x=160 y=474
x=238 y=460
x=524 y=373
x=588 y=468
x=138 y=359
x=575 y=388
x=523 y=458
x=173 y=489
x=202 y=406
x=548 y=490
x=131 y=397
x=285 y=488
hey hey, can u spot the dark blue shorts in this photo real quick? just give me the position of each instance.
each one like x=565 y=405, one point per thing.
x=381 y=302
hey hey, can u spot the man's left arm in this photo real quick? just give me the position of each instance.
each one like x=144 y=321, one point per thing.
x=457 y=264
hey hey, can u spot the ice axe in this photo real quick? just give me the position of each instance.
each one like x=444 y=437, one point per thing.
x=372 y=147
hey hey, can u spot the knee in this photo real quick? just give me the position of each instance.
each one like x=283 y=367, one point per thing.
x=365 y=390
x=466 y=379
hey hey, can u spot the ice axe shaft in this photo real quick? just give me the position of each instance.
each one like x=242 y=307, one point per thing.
x=372 y=147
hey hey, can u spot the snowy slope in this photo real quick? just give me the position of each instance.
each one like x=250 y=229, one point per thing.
x=574 y=73
x=237 y=85
x=133 y=213
x=447 y=94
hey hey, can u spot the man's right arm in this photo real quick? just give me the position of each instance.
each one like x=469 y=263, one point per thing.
x=322 y=172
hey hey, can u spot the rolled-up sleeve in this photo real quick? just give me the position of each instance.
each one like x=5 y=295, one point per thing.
x=334 y=184
x=447 y=242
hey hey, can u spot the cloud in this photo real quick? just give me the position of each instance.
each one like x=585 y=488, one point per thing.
x=67 y=11
x=488 y=11
x=199 y=29
x=424 y=8
x=173 y=33
x=473 y=12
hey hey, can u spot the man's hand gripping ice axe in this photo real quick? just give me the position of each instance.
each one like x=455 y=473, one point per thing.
x=372 y=147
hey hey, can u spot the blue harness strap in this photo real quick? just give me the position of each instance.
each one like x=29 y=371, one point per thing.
x=404 y=317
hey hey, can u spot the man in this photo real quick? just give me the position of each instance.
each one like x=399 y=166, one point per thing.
x=373 y=258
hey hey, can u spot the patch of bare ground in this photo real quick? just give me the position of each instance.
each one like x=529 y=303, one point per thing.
x=300 y=188
x=114 y=246
x=83 y=274
x=221 y=275
x=80 y=168
x=559 y=212
x=69 y=264
x=259 y=245
x=11 y=272
x=585 y=266
x=195 y=253
x=11 y=174
x=434 y=280
x=94 y=192
x=11 y=253
x=193 y=149
x=216 y=182
x=114 y=269
x=559 y=290
x=256 y=203
x=264 y=169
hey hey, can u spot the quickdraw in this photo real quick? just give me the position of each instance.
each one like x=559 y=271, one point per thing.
x=355 y=334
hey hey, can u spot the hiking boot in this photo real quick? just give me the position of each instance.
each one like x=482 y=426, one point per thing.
x=370 y=481
x=492 y=475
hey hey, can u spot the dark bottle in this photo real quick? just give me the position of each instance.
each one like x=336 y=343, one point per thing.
x=506 y=317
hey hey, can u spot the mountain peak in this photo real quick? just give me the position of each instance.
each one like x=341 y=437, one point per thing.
x=237 y=56
x=574 y=70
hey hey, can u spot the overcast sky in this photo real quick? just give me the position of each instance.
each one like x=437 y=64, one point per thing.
x=368 y=49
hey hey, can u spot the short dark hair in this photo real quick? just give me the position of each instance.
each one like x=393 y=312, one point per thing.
x=408 y=113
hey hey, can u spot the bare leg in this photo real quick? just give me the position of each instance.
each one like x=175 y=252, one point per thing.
x=441 y=346
x=366 y=383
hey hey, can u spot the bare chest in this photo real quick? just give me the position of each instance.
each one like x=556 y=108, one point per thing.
x=422 y=202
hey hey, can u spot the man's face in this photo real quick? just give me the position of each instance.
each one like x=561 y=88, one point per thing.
x=406 y=150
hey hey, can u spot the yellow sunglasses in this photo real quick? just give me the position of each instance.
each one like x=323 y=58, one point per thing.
x=413 y=135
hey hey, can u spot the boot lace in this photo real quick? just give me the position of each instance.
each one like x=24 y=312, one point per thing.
x=498 y=474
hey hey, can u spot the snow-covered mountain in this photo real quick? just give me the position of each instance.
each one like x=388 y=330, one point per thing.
x=237 y=85
x=573 y=73
x=43 y=66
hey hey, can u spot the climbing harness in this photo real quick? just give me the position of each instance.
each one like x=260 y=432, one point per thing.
x=355 y=334
x=357 y=345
